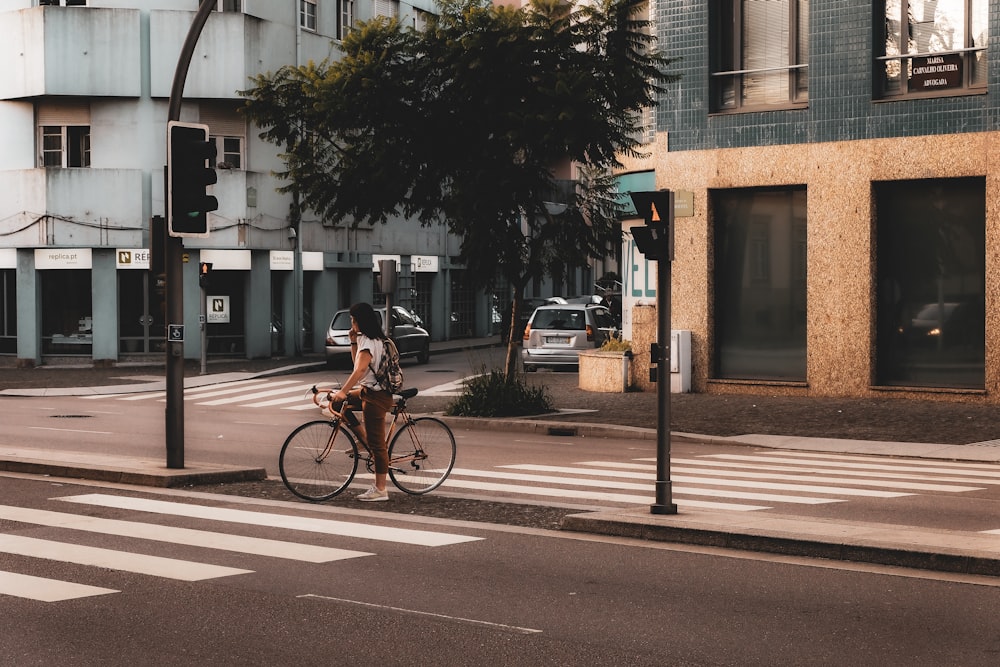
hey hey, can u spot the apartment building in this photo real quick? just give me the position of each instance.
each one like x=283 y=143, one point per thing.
x=838 y=198
x=83 y=113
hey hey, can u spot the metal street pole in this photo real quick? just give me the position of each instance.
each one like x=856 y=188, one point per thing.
x=174 y=263
x=664 y=487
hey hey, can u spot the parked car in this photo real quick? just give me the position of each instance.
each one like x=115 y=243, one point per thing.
x=411 y=339
x=528 y=305
x=556 y=334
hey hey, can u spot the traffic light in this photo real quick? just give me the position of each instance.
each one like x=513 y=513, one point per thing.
x=190 y=156
x=204 y=271
x=656 y=239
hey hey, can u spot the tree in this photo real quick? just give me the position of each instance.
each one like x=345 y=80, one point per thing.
x=465 y=123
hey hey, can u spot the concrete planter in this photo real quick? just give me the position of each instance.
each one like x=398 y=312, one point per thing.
x=605 y=371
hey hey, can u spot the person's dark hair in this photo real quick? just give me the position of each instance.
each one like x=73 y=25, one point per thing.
x=367 y=319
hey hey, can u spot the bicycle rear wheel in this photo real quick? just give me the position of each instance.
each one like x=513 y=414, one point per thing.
x=421 y=455
x=318 y=460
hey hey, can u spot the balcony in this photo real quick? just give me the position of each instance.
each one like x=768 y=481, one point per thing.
x=71 y=207
x=80 y=51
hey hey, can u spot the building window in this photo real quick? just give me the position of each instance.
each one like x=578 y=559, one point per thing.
x=760 y=284
x=307 y=14
x=228 y=152
x=64 y=146
x=228 y=6
x=63 y=3
x=932 y=48
x=931 y=283
x=760 y=54
x=345 y=18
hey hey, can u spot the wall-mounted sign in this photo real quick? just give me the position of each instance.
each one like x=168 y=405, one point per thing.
x=424 y=263
x=282 y=260
x=378 y=258
x=63 y=258
x=217 y=308
x=936 y=72
x=683 y=204
x=136 y=258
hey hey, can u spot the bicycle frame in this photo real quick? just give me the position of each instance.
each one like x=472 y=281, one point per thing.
x=400 y=418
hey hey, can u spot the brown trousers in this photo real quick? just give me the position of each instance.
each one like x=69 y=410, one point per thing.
x=374 y=406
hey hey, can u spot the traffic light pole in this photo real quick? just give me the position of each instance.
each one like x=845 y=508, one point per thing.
x=174 y=263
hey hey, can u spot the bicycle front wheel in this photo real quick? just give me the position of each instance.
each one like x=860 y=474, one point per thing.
x=318 y=460
x=421 y=455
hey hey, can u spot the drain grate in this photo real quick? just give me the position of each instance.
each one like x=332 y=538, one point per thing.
x=70 y=416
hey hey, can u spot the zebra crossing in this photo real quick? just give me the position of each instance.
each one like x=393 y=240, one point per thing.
x=139 y=533
x=737 y=482
x=284 y=394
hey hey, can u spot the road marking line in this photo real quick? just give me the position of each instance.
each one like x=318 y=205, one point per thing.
x=679 y=469
x=300 y=390
x=371 y=605
x=910 y=466
x=68 y=430
x=186 y=536
x=46 y=590
x=798 y=468
x=156 y=566
x=306 y=524
x=518 y=489
x=548 y=479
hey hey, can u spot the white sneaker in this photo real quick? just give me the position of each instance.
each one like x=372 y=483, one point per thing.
x=373 y=495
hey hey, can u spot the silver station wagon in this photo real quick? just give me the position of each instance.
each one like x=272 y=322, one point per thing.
x=556 y=334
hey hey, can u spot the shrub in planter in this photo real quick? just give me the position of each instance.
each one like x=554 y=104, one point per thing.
x=493 y=394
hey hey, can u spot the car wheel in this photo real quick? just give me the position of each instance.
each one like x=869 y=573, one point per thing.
x=529 y=369
x=425 y=355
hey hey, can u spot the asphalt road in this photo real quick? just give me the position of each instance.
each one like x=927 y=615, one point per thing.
x=483 y=596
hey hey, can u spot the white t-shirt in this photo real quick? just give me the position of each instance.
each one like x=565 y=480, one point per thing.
x=376 y=348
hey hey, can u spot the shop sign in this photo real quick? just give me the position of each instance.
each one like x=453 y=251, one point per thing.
x=282 y=260
x=217 y=308
x=137 y=258
x=424 y=263
x=63 y=258
x=931 y=73
x=377 y=258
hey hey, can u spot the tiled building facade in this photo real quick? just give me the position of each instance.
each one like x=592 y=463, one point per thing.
x=843 y=230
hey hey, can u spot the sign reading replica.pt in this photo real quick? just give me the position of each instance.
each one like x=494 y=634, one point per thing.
x=936 y=72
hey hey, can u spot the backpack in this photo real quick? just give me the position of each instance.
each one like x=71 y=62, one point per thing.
x=389 y=374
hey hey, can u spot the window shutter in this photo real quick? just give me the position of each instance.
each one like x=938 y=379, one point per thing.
x=222 y=121
x=64 y=113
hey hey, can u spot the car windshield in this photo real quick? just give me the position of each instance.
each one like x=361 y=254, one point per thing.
x=560 y=319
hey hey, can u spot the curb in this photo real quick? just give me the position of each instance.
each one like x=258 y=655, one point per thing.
x=848 y=541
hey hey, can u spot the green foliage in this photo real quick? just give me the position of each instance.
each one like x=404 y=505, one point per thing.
x=616 y=344
x=465 y=121
x=495 y=394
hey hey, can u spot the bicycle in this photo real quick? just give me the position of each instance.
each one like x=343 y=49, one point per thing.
x=320 y=458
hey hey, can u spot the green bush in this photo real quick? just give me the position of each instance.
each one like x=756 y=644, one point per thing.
x=493 y=394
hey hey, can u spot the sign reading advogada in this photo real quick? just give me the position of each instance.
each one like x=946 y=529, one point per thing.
x=63 y=258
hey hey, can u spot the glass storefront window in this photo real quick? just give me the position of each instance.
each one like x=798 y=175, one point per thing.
x=931 y=268
x=67 y=312
x=8 y=312
x=760 y=283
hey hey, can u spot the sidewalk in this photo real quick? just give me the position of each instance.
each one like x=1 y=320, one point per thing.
x=898 y=545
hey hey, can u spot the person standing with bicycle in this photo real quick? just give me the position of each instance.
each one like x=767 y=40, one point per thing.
x=367 y=348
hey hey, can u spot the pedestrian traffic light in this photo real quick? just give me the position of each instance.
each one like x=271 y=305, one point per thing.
x=655 y=240
x=190 y=156
x=204 y=271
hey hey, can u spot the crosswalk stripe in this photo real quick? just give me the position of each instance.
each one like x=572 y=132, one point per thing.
x=991 y=469
x=549 y=492
x=295 y=398
x=267 y=393
x=912 y=486
x=627 y=486
x=848 y=475
x=909 y=466
x=46 y=590
x=169 y=568
x=229 y=390
x=308 y=524
x=186 y=536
